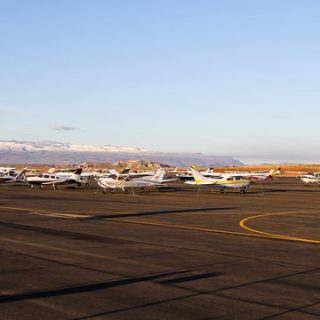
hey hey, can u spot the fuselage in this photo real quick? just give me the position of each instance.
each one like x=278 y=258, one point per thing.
x=110 y=183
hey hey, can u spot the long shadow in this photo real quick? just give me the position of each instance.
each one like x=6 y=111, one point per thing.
x=267 y=191
x=300 y=309
x=190 y=278
x=82 y=288
x=195 y=293
x=67 y=234
x=140 y=306
x=277 y=278
x=153 y=213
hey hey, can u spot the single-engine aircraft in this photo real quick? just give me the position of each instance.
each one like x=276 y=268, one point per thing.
x=253 y=176
x=125 y=183
x=51 y=179
x=311 y=178
x=222 y=182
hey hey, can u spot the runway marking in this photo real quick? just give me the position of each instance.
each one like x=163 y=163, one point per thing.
x=139 y=222
x=256 y=233
x=69 y=215
x=243 y=225
x=199 y=229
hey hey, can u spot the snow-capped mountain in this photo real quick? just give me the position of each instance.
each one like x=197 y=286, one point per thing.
x=22 y=152
x=19 y=146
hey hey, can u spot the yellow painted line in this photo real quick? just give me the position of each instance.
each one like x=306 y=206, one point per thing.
x=47 y=213
x=187 y=228
x=256 y=233
x=243 y=225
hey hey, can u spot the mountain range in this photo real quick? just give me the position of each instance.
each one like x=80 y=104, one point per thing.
x=47 y=152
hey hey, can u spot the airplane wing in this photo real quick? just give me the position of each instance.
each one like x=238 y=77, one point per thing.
x=60 y=181
x=203 y=183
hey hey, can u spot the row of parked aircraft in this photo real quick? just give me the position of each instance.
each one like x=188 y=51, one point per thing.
x=127 y=180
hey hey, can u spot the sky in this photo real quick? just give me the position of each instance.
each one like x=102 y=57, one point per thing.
x=238 y=78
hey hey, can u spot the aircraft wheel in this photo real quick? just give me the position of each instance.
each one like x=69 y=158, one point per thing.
x=104 y=191
x=242 y=191
x=87 y=185
x=222 y=190
x=79 y=184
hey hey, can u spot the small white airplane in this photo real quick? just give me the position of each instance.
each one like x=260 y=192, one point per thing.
x=125 y=183
x=65 y=173
x=253 y=176
x=8 y=178
x=261 y=176
x=52 y=179
x=224 y=181
x=311 y=178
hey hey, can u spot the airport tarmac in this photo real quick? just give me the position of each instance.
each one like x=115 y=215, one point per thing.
x=80 y=254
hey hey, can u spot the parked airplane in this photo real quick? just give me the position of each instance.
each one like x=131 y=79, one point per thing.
x=84 y=176
x=311 y=178
x=51 y=179
x=8 y=178
x=224 y=181
x=158 y=177
x=253 y=176
x=125 y=183
x=260 y=176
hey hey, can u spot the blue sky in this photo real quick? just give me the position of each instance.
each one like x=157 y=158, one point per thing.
x=237 y=78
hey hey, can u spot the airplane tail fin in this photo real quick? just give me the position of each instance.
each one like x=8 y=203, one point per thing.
x=274 y=172
x=77 y=175
x=194 y=167
x=78 y=172
x=198 y=177
x=159 y=175
x=125 y=171
x=21 y=175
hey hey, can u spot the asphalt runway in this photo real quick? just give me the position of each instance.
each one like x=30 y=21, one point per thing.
x=173 y=254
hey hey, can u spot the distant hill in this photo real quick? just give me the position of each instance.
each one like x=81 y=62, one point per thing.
x=22 y=152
